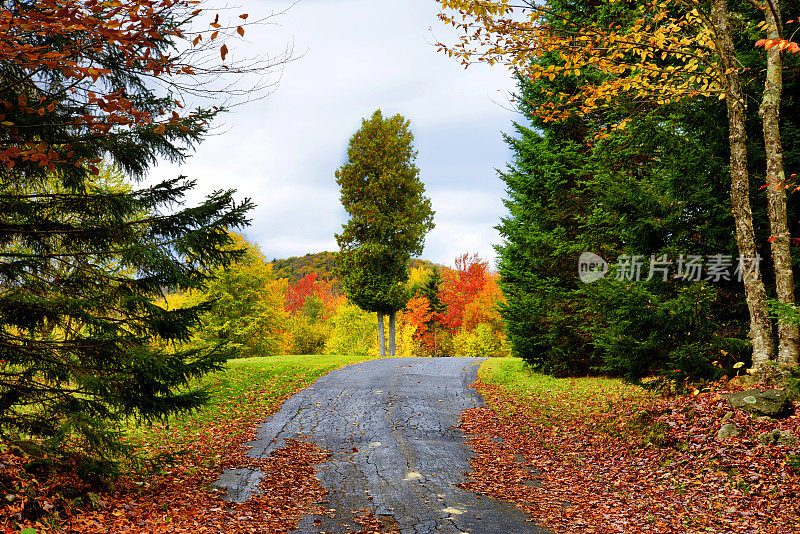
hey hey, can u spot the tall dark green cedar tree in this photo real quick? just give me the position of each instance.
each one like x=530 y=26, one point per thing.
x=648 y=192
x=389 y=217
x=84 y=348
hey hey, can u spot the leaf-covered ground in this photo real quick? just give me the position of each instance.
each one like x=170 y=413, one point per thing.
x=181 y=498
x=621 y=461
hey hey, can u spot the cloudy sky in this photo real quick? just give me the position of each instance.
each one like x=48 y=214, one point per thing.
x=353 y=57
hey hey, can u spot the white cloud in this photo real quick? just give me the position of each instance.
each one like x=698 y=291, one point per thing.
x=360 y=55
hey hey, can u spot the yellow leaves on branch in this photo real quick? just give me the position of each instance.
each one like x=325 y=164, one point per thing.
x=477 y=9
x=665 y=53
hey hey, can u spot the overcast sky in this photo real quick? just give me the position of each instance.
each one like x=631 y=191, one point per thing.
x=357 y=56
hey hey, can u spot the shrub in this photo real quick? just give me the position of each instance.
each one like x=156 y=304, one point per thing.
x=478 y=343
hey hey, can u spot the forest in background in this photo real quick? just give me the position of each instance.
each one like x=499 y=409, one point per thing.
x=263 y=308
x=323 y=264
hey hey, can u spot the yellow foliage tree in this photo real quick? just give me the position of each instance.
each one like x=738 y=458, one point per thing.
x=247 y=305
x=353 y=331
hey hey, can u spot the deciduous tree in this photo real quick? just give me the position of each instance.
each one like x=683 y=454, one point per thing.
x=246 y=309
x=389 y=217
x=352 y=333
x=770 y=110
x=83 y=80
x=460 y=287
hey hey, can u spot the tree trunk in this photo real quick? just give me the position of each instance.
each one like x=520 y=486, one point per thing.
x=381 y=336
x=776 y=191
x=435 y=339
x=756 y=296
x=392 y=316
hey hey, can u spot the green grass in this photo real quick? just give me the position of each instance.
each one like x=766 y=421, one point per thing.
x=246 y=387
x=561 y=397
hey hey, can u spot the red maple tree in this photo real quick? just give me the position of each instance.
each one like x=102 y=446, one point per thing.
x=461 y=286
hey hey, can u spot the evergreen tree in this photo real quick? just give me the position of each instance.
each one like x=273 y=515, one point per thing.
x=81 y=338
x=389 y=217
x=82 y=343
x=430 y=290
x=654 y=189
x=543 y=234
x=657 y=187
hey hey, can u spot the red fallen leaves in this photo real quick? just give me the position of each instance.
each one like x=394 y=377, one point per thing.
x=596 y=476
x=181 y=499
x=371 y=524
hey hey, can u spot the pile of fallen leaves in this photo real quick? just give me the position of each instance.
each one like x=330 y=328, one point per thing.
x=180 y=498
x=658 y=468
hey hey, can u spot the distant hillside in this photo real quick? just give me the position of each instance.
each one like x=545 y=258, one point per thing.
x=296 y=267
x=416 y=263
x=322 y=263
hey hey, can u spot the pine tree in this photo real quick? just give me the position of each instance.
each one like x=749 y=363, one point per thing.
x=649 y=57
x=430 y=290
x=389 y=217
x=83 y=345
x=656 y=188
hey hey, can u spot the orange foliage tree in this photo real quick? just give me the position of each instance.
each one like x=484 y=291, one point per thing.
x=483 y=309
x=418 y=314
x=469 y=296
x=297 y=294
x=79 y=76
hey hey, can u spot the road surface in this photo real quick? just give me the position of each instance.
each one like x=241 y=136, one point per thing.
x=390 y=426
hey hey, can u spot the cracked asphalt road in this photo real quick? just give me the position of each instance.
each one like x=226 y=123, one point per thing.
x=399 y=417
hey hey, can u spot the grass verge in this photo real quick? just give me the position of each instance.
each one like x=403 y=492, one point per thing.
x=561 y=398
x=247 y=389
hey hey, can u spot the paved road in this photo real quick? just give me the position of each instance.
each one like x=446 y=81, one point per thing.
x=399 y=415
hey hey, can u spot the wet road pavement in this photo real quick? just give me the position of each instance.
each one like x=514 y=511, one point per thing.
x=390 y=426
